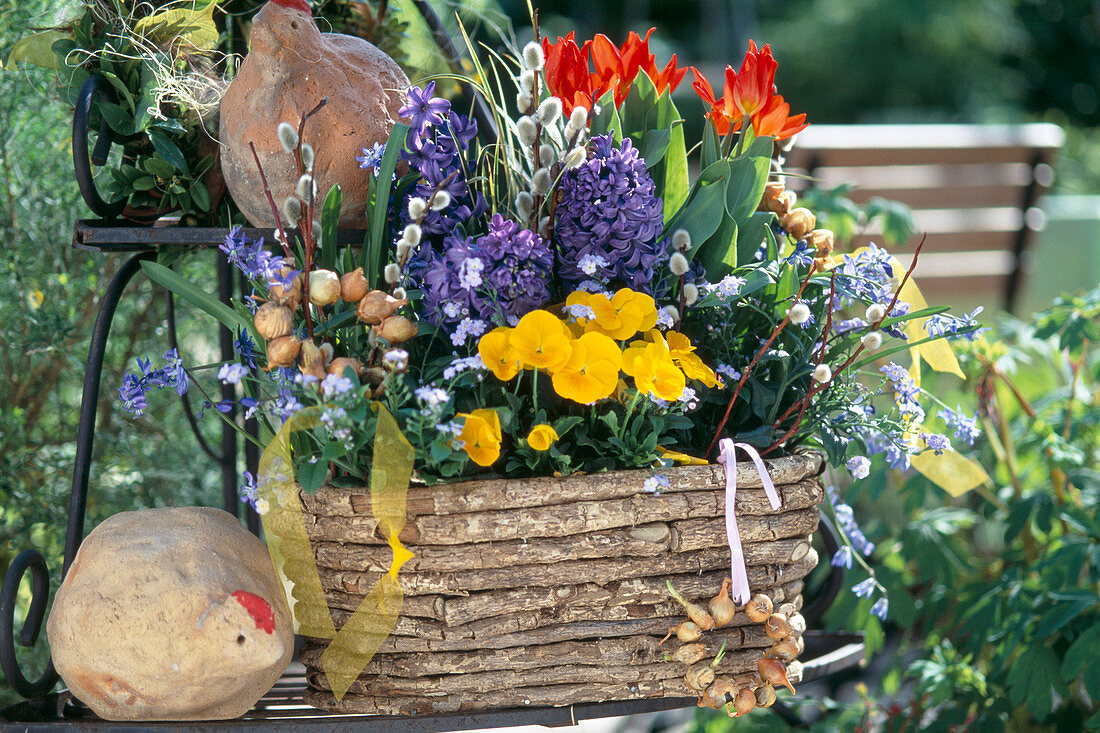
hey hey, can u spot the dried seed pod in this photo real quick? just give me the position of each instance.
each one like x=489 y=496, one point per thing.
x=822 y=242
x=695 y=612
x=774 y=200
x=699 y=676
x=774 y=672
x=785 y=649
x=690 y=653
x=777 y=627
x=324 y=288
x=722 y=607
x=289 y=295
x=798 y=624
x=395 y=329
x=340 y=365
x=744 y=702
x=354 y=285
x=273 y=320
x=282 y=352
x=685 y=631
x=794 y=670
x=759 y=608
x=376 y=306
x=765 y=696
x=798 y=222
x=310 y=360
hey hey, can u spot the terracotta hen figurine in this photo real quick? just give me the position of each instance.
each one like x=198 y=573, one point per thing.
x=291 y=66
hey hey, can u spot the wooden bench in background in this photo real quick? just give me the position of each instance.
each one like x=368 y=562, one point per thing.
x=972 y=188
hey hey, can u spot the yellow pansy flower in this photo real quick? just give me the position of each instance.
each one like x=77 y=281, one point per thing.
x=656 y=374
x=592 y=371
x=621 y=316
x=481 y=436
x=495 y=349
x=683 y=353
x=542 y=437
x=541 y=341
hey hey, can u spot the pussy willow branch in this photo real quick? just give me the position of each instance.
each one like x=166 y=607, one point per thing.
x=816 y=389
x=271 y=200
x=306 y=232
x=755 y=359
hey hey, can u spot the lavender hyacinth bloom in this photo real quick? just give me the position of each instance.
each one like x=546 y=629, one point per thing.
x=609 y=209
x=513 y=273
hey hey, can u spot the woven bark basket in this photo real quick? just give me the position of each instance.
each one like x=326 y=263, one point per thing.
x=551 y=591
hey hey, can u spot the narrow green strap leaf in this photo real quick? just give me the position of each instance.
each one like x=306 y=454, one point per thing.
x=330 y=222
x=195 y=295
x=379 y=205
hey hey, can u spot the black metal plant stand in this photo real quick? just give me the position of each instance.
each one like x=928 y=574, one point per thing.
x=825 y=653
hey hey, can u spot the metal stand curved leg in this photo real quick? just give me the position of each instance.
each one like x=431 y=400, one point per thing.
x=32 y=560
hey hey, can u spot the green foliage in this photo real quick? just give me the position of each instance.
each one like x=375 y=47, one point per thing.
x=1005 y=581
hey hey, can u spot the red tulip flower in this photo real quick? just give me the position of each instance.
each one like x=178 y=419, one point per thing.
x=567 y=74
x=753 y=85
x=775 y=120
x=723 y=112
x=618 y=68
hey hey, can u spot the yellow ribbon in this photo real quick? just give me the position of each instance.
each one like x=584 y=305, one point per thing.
x=288 y=542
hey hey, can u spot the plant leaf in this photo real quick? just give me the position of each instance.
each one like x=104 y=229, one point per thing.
x=198 y=297
x=169 y=151
x=748 y=176
x=193 y=26
x=36 y=49
x=330 y=221
x=380 y=202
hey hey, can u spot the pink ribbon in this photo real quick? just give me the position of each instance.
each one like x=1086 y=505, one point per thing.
x=728 y=457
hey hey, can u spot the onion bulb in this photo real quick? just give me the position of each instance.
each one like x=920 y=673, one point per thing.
x=777 y=627
x=765 y=696
x=759 y=608
x=722 y=607
x=685 y=631
x=744 y=700
x=774 y=672
x=696 y=613
x=690 y=653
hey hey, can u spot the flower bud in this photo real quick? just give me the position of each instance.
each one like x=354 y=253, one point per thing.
x=691 y=294
x=307 y=156
x=546 y=153
x=288 y=295
x=578 y=118
x=529 y=82
x=681 y=240
x=392 y=273
x=527 y=131
x=533 y=56
x=875 y=312
x=292 y=210
x=307 y=187
x=545 y=227
x=799 y=313
x=822 y=242
x=404 y=247
x=798 y=222
x=678 y=264
x=316 y=231
x=395 y=329
x=376 y=306
x=324 y=288
x=549 y=111
x=525 y=205
x=273 y=320
x=399 y=293
x=354 y=285
x=417 y=207
x=327 y=352
x=440 y=200
x=413 y=232
x=338 y=366
x=576 y=157
x=282 y=352
x=872 y=341
x=311 y=361
x=672 y=312
x=822 y=373
x=524 y=102
x=541 y=182
x=288 y=136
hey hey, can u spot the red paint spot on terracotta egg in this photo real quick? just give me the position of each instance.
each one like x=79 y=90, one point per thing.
x=258 y=609
x=300 y=5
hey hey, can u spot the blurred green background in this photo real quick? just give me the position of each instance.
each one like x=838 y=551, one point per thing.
x=841 y=61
